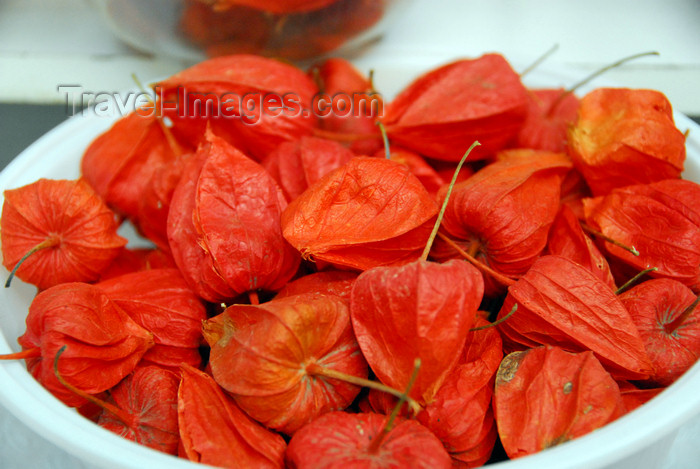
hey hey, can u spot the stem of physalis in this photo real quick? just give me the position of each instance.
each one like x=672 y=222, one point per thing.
x=539 y=60
x=253 y=297
x=436 y=227
x=610 y=240
x=34 y=352
x=500 y=278
x=47 y=243
x=634 y=280
x=174 y=146
x=385 y=139
x=497 y=322
x=597 y=73
x=314 y=369
x=126 y=418
x=370 y=80
x=377 y=441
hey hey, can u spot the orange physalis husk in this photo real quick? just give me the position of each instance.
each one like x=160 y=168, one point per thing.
x=624 y=137
x=134 y=260
x=60 y=231
x=567 y=239
x=154 y=201
x=502 y=214
x=237 y=216
x=148 y=399
x=271 y=357
x=678 y=194
x=546 y=396
x=660 y=220
x=561 y=303
x=160 y=301
x=460 y=414
x=672 y=341
x=224 y=225
x=370 y=212
x=171 y=357
x=299 y=164
x=195 y=264
x=550 y=113
x=215 y=431
x=255 y=101
x=120 y=163
x=340 y=439
x=103 y=343
x=418 y=310
x=573 y=190
x=445 y=110
x=338 y=77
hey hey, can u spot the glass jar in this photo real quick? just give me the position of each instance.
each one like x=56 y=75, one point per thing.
x=295 y=30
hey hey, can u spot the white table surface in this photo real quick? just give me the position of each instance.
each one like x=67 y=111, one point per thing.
x=44 y=43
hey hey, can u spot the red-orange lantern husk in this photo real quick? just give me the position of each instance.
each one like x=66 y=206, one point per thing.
x=160 y=301
x=429 y=177
x=341 y=439
x=370 y=212
x=502 y=214
x=255 y=101
x=661 y=220
x=561 y=303
x=635 y=397
x=224 y=225
x=460 y=414
x=103 y=345
x=297 y=165
x=441 y=113
x=237 y=216
x=278 y=7
x=567 y=239
x=340 y=80
x=71 y=230
x=419 y=310
x=120 y=163
x=550 y=113
x=624 y=137
x=672 y=342
x=137 y=259
x=215 y=431
x=149 y=396
x=546 y=396
x=195 y=264
x=266 y=356
x=330 y=282
x=154 y=201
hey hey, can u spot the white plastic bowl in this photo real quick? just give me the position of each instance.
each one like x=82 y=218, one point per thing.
x=640 y=439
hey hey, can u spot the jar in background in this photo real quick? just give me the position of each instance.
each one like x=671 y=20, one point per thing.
x=295 y=30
